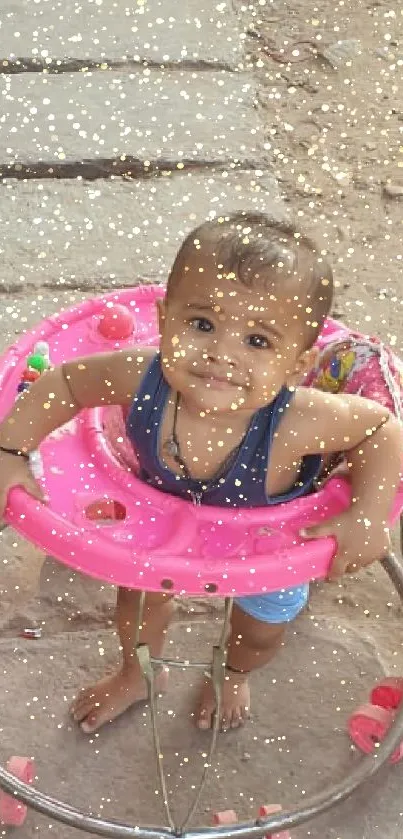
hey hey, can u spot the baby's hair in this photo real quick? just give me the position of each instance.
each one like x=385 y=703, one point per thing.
x=255 y=248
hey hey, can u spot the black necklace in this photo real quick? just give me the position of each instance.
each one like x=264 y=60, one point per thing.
x=172 y=448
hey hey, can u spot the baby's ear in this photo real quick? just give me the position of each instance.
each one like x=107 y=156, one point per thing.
x=161 y=311
x=308 y=359
x=305 y=363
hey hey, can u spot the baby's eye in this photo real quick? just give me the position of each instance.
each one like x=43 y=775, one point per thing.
x=258 y=341
x=202 y=324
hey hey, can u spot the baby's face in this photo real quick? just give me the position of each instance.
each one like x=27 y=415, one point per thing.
x=226 y=347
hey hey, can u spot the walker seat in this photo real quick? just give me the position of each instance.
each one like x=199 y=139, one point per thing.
x=102 y=520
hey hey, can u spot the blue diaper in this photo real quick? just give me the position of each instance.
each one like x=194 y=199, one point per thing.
x=276 y=606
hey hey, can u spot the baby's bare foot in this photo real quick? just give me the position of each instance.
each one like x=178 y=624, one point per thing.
x=107 y=699
x=234 y=707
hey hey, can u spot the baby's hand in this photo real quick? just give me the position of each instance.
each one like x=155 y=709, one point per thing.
x=360 y=542
x=15 y=471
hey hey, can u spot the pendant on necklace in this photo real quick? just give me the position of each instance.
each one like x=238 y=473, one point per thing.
x=171 y=447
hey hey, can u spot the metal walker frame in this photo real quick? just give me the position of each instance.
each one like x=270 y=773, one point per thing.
x=313 y=806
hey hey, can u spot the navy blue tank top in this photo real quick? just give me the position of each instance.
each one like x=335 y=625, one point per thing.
x=244 y=482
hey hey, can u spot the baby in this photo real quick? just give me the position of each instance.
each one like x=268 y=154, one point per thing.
x=218 y=416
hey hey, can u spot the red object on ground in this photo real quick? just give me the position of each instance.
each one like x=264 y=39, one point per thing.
x=227 y=817
x=388 y=693
x=269 y=810
x=368 y=726
x=12 y=811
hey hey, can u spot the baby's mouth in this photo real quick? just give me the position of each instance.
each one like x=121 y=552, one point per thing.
x=217 y=380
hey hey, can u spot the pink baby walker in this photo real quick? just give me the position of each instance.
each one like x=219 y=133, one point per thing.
x=100 y=519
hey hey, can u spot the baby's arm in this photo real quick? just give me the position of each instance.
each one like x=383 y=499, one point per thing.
x=56 y=397
x=367 y=432
x=372 y=439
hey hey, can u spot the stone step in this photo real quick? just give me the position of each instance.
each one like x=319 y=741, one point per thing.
x=64 y=234
x=161 y=31
x=149 y=114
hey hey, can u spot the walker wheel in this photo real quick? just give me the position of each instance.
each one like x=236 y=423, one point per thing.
x=12 y=811
x=367 y=728
x=388 y=693
x=225 y=817
x=269 y=810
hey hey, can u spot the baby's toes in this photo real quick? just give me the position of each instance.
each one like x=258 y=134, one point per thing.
x=205 y=718
x=237 y=718
x=84 y=708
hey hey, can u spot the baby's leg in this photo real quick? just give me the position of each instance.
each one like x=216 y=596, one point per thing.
x=257 y=630
x=108 y=698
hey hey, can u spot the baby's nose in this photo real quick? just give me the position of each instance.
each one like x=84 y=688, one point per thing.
x=213 y=355
x=223 y=348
